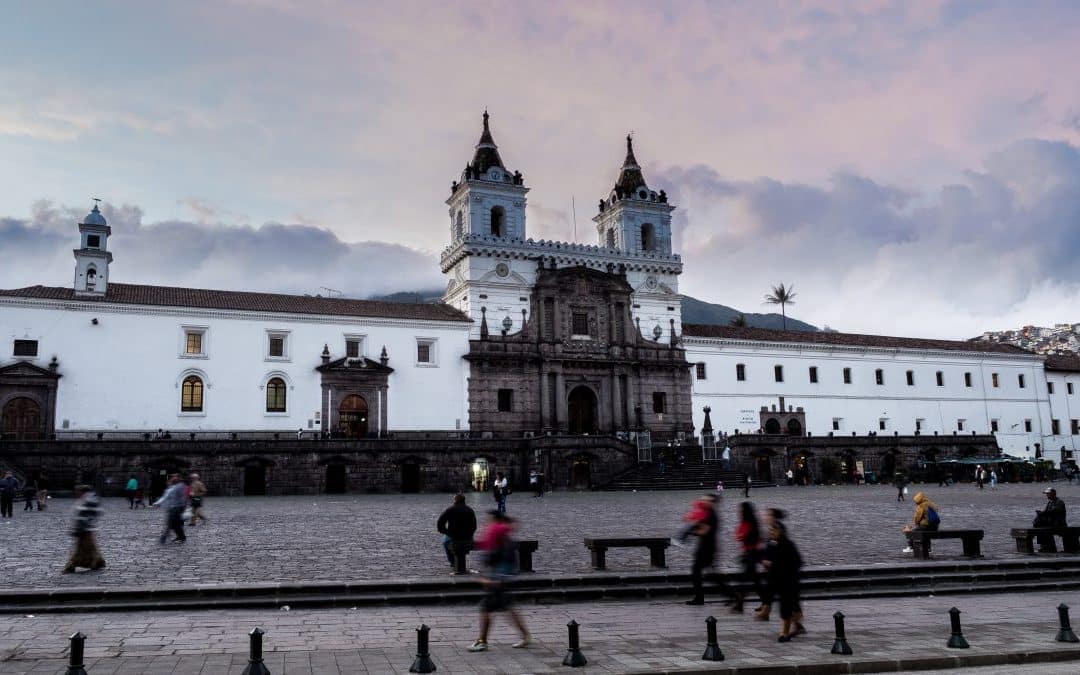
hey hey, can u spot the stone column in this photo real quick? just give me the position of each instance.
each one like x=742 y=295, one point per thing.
x=560 y=401
x=545 y=401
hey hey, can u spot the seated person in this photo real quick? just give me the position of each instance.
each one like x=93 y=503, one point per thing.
x=926 y=518
x=1051 y=516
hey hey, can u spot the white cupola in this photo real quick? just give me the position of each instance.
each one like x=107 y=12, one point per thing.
x=92 y=258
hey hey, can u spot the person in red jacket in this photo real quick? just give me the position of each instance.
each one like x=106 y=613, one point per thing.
x=748 y=534
x=496 y=541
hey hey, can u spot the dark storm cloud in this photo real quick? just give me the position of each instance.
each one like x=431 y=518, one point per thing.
x=272 y=257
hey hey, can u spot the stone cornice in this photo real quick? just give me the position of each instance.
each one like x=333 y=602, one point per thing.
x=565 y=253
x=182 y=312
x=758 y=345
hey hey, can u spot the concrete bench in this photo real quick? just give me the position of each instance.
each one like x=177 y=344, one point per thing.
x=920 y=541
x=1070 y=539
x=524 y=547
x=598 y=548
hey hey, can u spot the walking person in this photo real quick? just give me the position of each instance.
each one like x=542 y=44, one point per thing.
x=8 y=486
x=980 y=476
x=747 y=486
x=174 y=501
x=85 y=515
x=772 y=516
x=501 y=489
x=457 y=525
x=130 y=489
x=900 y=481
x=43 y=492
x=785 y=568
x=29 y=495
x=500 y=562
x=993 y=478
x=706 y=531
x=748 y=534
x=198 y=500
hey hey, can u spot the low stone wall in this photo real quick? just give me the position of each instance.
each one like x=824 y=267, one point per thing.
x=316 y=467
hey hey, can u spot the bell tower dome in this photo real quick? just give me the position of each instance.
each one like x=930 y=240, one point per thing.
x=633 y=218
x=92 y=258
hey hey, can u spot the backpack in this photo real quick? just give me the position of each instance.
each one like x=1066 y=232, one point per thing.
x=932 y=516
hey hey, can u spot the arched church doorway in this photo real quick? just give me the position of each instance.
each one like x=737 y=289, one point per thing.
x=581 y=474
x=337 y=479
x=480 y=474
x=21 y=419
x=772 y=426
x=410 y=477
x=763 y=468
x=581 y=411
x=353 y=416
x=254 y=480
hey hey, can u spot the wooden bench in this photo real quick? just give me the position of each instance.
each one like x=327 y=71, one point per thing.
x=920 y=541
x=524 y=547
x=598 y=548
x=1070 y=539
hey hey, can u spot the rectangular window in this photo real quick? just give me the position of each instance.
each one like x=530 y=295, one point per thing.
x=882 y=424
x=1020 y=380
x=778 y=373
x=836 y=423
x=699 y=369
x=659 y=402
x=1049 y=387
x=93 y=241
x=960 y=425
x=425 y=352
x=879 y=376
x=277 y=346
x=1075 y=427
x=352 y=348
x=1068 y=388
x=911 y=378
x=813 y=374
x=740 y=372
x=993 y=426
x=1027 y=426
x=580 y=324
x=919 y=422
x=847 y=375
x=967 y=379
x=26 y=348
x=506 y=400
x=994 y=380
x=940 y=379
x=1055 y=427
x=193 y=343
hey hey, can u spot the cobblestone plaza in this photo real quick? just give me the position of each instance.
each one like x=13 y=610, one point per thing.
x=250 y=539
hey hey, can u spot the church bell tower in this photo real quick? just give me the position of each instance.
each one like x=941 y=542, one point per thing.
x=92 y=258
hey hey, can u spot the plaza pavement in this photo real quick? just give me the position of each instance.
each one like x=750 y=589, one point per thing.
x=616 y=636
x=371 y=537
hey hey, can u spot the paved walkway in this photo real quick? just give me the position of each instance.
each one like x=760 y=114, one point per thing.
x=615 y=637
x=360 y=537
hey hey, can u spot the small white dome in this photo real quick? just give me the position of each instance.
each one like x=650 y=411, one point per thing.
x=94 y=217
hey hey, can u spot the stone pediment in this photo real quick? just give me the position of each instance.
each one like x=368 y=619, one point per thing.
x=355 y=365
x=27 y=369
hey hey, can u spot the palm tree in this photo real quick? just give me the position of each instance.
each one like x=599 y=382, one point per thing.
x=782 y=296
x=739 y=321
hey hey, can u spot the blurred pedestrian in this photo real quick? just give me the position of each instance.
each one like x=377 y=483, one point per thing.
x=500 y=489
x=198 y=500
x=85 y=515
x=900 y=482
x=706 y=531
x=130 y=489
x=500 y=563
x=29 y=495
x=8 y=486
x=457 y=525
x=785 y=568
x=747 y=486
x=772 y=517
x=174 y=501
x=43 y=492
x=748 y=534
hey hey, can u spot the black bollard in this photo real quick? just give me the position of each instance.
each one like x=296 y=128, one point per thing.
x=574 y=657
x=840 y=645
x=956 y=640
x=422 y=663
x=1065 y=633
x=255 y=664
x=712 y=647
x=75 y=663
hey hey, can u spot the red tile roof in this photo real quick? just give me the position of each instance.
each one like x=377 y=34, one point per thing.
x=845 y=339
x=197 y=298
x=1069 y=364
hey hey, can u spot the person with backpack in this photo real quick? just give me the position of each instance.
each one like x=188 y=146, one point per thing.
x=927 y=517
x=496 y=542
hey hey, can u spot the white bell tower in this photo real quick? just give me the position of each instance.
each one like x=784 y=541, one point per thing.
x=92 y=258
x=633 y=218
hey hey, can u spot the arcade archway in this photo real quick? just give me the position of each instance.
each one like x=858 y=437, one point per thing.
x=581 y=411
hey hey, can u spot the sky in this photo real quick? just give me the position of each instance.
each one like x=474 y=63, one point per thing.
x=913 y=168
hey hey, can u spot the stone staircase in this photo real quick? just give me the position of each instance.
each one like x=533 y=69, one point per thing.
x=695 y=475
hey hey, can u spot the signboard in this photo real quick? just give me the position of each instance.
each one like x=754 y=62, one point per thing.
x=750 y=417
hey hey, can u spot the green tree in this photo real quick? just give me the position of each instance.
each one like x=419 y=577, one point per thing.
x=739 y=321
x=782 y=296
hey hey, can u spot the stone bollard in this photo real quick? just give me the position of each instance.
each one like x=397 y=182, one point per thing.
x=422 y=663
x=1065 y=633
x=712 y=647
x=840 y=645
x=255 y=664
x=574 y=657
x=956 y=640
x=75 y=663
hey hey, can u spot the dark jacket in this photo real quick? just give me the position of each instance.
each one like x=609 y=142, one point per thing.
x=786 y=563
x=458 y=522
x=707 y=530
x=8 y=486
x=1054 y=513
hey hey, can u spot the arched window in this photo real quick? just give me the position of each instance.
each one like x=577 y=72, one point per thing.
x=191 y=394
x=91 y=278
x=611 y=238
x=275 y=395
x=648 y=237
x=459 y=224
x=498 y=221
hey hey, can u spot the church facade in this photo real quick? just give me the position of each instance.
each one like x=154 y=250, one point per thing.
x=533 y=339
